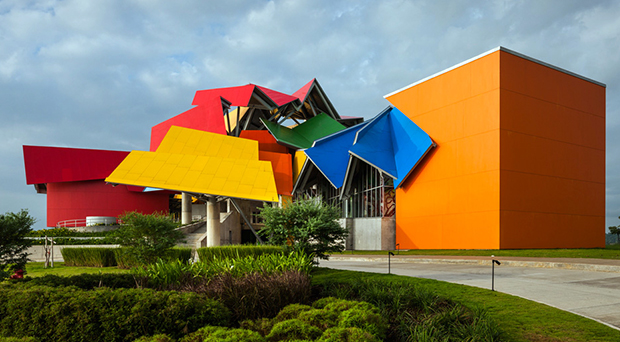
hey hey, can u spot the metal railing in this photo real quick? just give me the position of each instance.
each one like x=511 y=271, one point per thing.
x=71 y=223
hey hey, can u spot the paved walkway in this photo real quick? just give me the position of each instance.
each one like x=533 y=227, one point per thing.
x=587 y=287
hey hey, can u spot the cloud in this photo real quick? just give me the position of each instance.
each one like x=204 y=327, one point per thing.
x=99 y=74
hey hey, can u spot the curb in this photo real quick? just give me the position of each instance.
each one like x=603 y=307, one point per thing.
x=487 y=262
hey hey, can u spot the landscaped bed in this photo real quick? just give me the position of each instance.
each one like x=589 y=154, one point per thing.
x=271 y=297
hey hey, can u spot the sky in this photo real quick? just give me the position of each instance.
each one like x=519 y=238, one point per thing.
x=100 y=73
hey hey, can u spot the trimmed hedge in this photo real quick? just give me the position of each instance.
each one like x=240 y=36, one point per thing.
x=88 y=256
x=125 y=260
x=206 y=254
x=83 y=281
x=106 y=257
x=68 y=241
x=65 y=232
x=71 y=314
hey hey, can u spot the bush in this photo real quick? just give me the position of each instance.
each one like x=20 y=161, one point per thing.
x=90 y=257
x=415 y=313
x=13 y=228
x=65 y=232
x=155 y=338
x=206 y=254
x=339 y=334
x=125 y=259
x=259 y=295
x=309 y=226
x=147 y=237
x=322 y=319
x=364 y=317
x=176 y=274
x=70 y=314
x=291 y=311
x=339 y=320
x=82 y=281
x=293 y=329
x=221 y=334
x=68 y=241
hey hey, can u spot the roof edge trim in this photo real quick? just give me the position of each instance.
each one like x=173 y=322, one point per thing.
x=499 y=48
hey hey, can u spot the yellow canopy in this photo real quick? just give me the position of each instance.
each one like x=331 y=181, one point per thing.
x=201 y=162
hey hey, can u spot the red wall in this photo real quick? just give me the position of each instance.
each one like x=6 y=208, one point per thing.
x=76 y=200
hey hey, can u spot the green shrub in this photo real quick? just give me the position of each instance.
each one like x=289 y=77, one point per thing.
x=262 y=325
x=147 y=237
x=322 y=302
x=125 y=259
x=364 y=316
x=309 y=226
x=414 y=313
x=322 y=319
x=155 y=338
x=17 y=339
x=65 y=232
x=68 y=241
x=291 y=311
x=89 y=256
x=180 y=275
x=207 y=254
x=351 y=334
x=221 y=334
x=179 y=253
x=83 y=281
x=293 y=329
x=345 y=321
x=13 y=245
x=71 y=314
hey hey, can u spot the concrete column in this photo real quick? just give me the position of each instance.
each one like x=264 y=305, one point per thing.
x=213 y=222
x=186 y=208
x=388 y=233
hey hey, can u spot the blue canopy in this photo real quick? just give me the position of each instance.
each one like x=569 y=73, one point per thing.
x=392 y=143
x=331 y=154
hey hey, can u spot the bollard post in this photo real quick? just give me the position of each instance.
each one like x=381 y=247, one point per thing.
x=389 y=262
x=493 y=273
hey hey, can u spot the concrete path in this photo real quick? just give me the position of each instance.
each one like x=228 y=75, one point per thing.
x=587 y=287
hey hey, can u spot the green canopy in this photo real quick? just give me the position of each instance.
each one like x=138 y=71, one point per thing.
x=304 y=135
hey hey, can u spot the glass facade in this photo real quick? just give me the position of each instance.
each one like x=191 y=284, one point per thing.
x=371 y=193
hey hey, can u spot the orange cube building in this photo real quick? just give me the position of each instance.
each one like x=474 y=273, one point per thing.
x=519 y=162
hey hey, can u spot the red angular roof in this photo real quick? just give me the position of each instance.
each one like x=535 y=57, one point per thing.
x=279 y=98
x=61 y=164
x=208 y=117
x=303 y=91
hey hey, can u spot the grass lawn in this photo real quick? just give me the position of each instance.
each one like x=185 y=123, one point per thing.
x=521 y=319
x=610 y=252
x=37 y=269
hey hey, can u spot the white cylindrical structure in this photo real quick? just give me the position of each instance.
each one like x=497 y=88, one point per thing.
x=100 y=220
x=213 y=222
x=186 y=208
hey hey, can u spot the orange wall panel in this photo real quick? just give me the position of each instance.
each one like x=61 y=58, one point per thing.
x=453 y=199
x=520 y=156
x=552 y=157
x=522 y=230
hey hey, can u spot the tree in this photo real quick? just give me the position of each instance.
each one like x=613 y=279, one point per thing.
x=148 y=237
x=13 y=228
x=308 y=225
x=615 y=230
